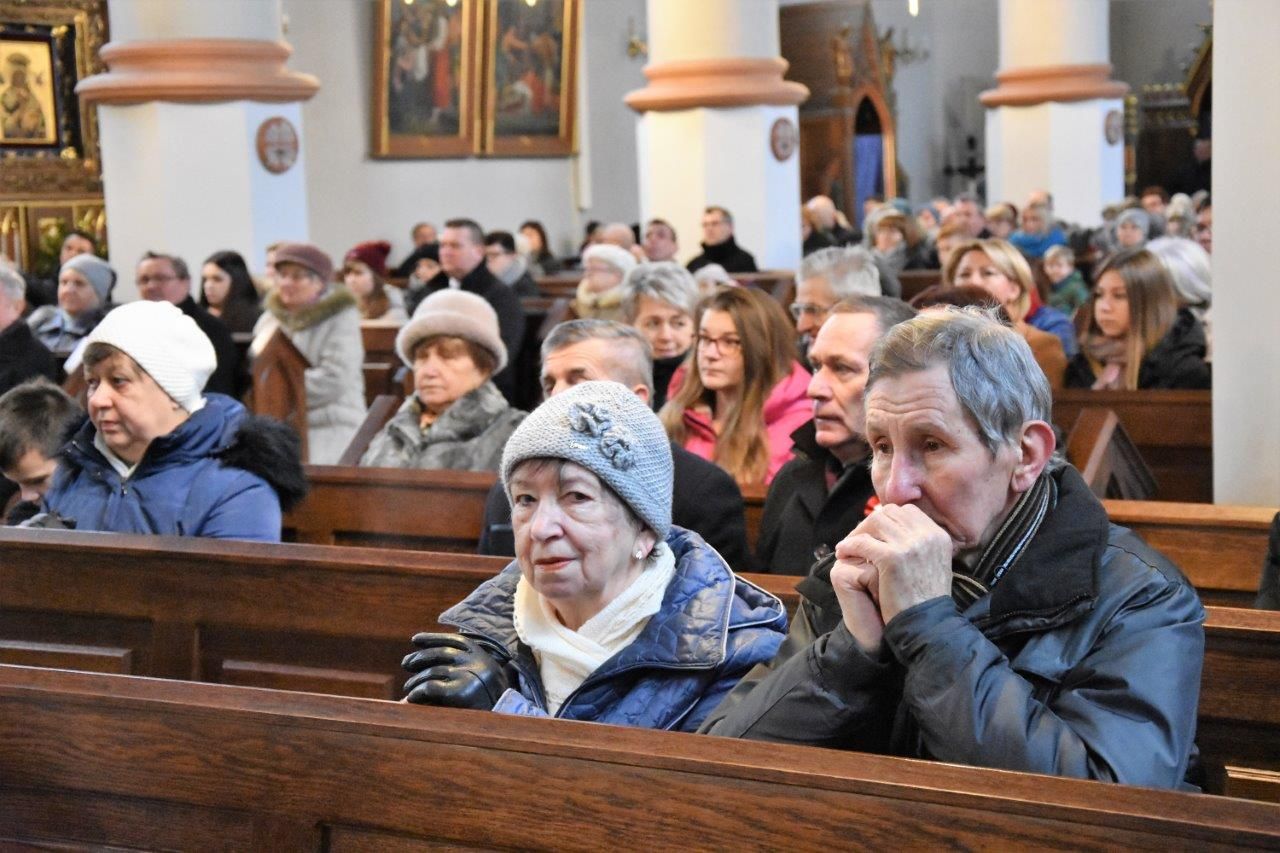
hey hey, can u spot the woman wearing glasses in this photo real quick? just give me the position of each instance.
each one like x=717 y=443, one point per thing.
x=745 y=392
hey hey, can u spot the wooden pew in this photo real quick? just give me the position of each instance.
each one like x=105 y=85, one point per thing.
x=329 y=620
x=381 y=361
x=1220 y=548
x=915 y=282
x=1106 y=457
x=1173 y=431
x=381 y=409
x=189 y=766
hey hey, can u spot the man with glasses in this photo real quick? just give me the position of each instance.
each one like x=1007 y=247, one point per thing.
x=826 y=277
x=164 y=278
x=718 y=245
x=508 y=265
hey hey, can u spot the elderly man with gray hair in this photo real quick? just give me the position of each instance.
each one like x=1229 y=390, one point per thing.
x=22 y=356
x=828 y=276
x=705 y=498
x=990 y=614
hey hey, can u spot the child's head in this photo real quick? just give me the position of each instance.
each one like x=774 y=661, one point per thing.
x=34 y=417
x=1059 y=262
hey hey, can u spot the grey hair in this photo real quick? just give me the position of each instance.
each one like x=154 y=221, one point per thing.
x=1189 y=267
x=850 y=271
x=179 y=265
x=888 y=311
x=12 y=284
x=664 y=281
x=636 y=370
x=996 y=379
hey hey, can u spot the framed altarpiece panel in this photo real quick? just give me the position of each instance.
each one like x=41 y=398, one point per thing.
x=459 y=78
x=50 y=170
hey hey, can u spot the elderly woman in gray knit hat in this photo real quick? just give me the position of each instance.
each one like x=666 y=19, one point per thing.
x=84 y=283
x=608 y=613
x=457 y=418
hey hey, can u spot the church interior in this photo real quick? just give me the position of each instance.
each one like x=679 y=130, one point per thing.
x=575 y=424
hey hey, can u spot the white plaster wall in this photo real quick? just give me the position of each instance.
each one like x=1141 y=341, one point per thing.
x=353 y=197
x=1246 y=301
x=134 y=20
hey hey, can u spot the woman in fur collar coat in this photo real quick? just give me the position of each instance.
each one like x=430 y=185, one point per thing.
x=321 y=319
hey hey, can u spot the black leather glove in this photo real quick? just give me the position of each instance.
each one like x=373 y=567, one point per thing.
x=456 y=672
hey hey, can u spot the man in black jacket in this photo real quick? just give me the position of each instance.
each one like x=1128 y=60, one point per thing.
x=22 y=356
x=705 y=499
x=462 y=267
x=823 y=492
x=718 y=245
x=164 y=278
x=987 y=613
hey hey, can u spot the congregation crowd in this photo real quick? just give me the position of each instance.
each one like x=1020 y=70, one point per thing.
x=964 y=598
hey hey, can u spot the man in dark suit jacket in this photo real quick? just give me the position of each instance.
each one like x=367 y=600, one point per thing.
x=705 y=499
x=718 y=245
x=462 y=267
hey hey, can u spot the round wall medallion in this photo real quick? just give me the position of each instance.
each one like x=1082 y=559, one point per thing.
x=783 y=139
x=1113 y=126
x=277 y=145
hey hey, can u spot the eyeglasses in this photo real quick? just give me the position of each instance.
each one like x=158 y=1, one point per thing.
x=799 y=309
x=155 y=279
x=725 y=346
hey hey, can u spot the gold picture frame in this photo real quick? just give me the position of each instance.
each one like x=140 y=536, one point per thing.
x=425 y=78
x=48 y=139
x=530 y=78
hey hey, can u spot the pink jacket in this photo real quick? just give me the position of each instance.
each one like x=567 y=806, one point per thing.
x=785 y=409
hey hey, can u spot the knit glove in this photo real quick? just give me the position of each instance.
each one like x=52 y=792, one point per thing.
x=456 y=672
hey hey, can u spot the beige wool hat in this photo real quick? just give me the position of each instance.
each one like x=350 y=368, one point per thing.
x=166 y=343
x=458 y=314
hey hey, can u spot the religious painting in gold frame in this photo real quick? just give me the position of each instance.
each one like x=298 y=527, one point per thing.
x=48 y=141
x=425 y=78
x=530 y=77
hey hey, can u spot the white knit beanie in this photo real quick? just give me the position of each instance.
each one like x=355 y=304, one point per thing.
x=166 y=343
x=615 y=256
x=605 y=428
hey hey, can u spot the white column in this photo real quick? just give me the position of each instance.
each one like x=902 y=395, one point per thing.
x=1047 y=117
x=1246 y=300
x=715 y=92
x=188 y=85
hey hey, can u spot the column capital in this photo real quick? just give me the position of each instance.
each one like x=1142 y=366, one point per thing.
x=718 y=82
x=196 y=71
x=1025 y=87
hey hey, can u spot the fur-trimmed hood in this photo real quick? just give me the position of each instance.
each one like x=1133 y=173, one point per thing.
x=335 y=300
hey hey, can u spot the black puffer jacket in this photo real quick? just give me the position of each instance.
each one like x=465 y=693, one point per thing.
x=1084 y=662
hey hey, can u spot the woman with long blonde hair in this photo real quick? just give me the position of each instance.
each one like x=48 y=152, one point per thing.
x=1137 y=336
x=744 y=392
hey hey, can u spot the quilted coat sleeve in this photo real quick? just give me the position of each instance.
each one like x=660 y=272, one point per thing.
x=336 y=374
x=1125 y=712
x=247 y=508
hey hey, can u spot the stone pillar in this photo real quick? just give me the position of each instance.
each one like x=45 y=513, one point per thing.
x=715 y=92
x=1246 y=301
x=189 y=85
x=1048 y=117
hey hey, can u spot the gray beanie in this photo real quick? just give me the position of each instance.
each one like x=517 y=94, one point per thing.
x=607 y=429
x=1138 y=217
x=96 y=270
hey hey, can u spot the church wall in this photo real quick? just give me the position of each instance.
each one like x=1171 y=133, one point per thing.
x=353 y=197
x=1151 y=40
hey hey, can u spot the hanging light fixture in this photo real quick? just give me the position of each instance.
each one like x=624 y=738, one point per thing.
x=913 y=6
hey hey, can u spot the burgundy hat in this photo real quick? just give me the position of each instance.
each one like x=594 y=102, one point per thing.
x=306 y=255
x=372 y=254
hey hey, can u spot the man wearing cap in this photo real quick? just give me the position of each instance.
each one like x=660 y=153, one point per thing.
x=158 y=455
x=706 y=499
x=165 y=278
x=462 y=267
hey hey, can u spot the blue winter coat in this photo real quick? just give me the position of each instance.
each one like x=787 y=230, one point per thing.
x=712 y=628
x=180 y=487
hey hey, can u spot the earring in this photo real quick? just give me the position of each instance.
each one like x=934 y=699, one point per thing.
x=639 y=553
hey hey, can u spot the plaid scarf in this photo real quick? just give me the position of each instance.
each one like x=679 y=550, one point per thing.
x=968 y=585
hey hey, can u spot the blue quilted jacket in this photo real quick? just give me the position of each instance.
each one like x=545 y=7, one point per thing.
x=180 y=487
x=712 y=628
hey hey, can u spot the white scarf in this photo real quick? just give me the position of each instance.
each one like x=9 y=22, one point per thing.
x=566 y=657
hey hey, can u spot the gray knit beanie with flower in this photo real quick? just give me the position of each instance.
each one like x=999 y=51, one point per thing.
x=607 y=429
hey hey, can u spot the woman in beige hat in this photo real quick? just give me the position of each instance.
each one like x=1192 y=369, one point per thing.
x=457 y=418
x=321 y=319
